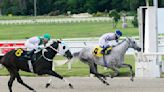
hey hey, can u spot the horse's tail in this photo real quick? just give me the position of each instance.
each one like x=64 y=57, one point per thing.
x=1 y=66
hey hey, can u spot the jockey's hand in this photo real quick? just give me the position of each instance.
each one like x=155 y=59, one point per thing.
x=41 y=47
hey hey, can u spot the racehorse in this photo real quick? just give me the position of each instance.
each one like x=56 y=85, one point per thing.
x=14 y=62
x=114 y=60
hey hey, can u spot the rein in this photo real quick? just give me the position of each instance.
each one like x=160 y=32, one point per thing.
x=45 y=50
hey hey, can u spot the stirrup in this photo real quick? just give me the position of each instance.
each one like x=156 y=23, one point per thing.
x=27 y=56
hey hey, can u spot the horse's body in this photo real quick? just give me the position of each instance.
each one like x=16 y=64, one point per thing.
x=43 y=64
x=114 y=60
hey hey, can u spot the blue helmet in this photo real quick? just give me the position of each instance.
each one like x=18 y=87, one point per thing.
x=118 y=33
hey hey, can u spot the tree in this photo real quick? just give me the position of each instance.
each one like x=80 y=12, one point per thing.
x=116 y=17
x=0 y=7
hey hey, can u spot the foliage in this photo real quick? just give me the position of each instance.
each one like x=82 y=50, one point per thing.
x=44 y=7
x=135 y=21
x=99 y=14
x=116 y=17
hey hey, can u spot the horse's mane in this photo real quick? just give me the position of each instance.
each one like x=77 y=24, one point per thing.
x=119 y=43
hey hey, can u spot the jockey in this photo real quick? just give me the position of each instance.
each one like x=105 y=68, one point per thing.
x=35 y=43
x=105 y=38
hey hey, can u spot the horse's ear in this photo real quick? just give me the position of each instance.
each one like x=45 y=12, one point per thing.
x=58 y=41
x=53 y=41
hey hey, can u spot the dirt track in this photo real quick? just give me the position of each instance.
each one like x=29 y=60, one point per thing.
x=86 y=84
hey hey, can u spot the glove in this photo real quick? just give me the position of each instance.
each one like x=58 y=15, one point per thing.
x=41 y=47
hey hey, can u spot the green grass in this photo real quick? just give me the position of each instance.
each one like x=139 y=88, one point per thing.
x=80 y=69
x=72 y=30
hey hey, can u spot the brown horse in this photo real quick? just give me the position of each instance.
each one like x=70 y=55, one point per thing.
x=14 y=62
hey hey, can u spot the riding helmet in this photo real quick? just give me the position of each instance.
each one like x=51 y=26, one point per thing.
x=47 y=36
x=118 y=33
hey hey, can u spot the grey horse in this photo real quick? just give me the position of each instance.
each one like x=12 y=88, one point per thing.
x=114 y=60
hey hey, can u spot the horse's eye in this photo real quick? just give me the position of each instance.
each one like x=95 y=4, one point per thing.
x=134 y=42
x=63 y=47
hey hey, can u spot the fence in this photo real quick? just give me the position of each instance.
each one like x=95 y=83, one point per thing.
x=59 y=20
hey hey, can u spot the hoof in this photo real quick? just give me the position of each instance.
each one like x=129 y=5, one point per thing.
x=70 y=85
x=107 y=84
x=33 y=90
x=132 y=79
x=104 y=78
x=47 y=85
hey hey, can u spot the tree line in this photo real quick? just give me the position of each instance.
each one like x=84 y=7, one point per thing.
x=56 y=7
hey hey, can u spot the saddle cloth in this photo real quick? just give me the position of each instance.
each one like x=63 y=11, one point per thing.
x=23 y=55
x=97 y=51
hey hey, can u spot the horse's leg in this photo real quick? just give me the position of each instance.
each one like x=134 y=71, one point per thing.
x=12 y=77
x=116 y=71
x=49 y=82
x=93 y=70
x=50 y=72
x=103 y=76
x=131 y=70
x=21 y=82
x=10 y=82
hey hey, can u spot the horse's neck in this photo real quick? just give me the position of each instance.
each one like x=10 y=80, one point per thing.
x=51 y=54
x=122 y=47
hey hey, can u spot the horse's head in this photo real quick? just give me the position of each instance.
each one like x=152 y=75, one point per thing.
x=133 y=44
x=62 y=49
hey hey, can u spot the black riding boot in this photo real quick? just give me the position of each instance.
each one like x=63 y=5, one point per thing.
x=29 y=54
x=103 y=51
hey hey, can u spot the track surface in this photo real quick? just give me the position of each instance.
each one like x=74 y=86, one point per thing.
x=86 y=84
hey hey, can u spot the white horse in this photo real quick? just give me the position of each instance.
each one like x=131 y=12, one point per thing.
x=114 y=60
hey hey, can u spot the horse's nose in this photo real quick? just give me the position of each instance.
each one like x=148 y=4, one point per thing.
x=71 y=57
x=139 y=49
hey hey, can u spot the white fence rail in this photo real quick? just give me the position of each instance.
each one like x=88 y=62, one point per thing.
x=59 y=20
x=56 y=20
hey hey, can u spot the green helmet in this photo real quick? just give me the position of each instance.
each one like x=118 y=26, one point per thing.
x=47 y=36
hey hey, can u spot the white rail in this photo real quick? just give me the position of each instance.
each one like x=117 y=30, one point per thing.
x=56 y=20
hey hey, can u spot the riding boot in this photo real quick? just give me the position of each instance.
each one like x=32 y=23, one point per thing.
x=103 y=51
x=104 y=60
x=29 y=54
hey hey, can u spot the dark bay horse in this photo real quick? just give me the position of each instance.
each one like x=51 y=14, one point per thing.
x=42 y=64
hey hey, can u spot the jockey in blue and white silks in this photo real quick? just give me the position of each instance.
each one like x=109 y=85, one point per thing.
x=105 y=38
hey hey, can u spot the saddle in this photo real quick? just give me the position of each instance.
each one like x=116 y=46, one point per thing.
x=97 y=51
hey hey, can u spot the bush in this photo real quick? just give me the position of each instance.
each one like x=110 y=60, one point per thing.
x=116 y=17
x=135 y=21
x=99 y=14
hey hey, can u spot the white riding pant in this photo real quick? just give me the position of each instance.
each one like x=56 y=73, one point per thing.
x=31 y=46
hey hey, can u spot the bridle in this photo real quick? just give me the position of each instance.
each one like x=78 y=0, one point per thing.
x=45 y=50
